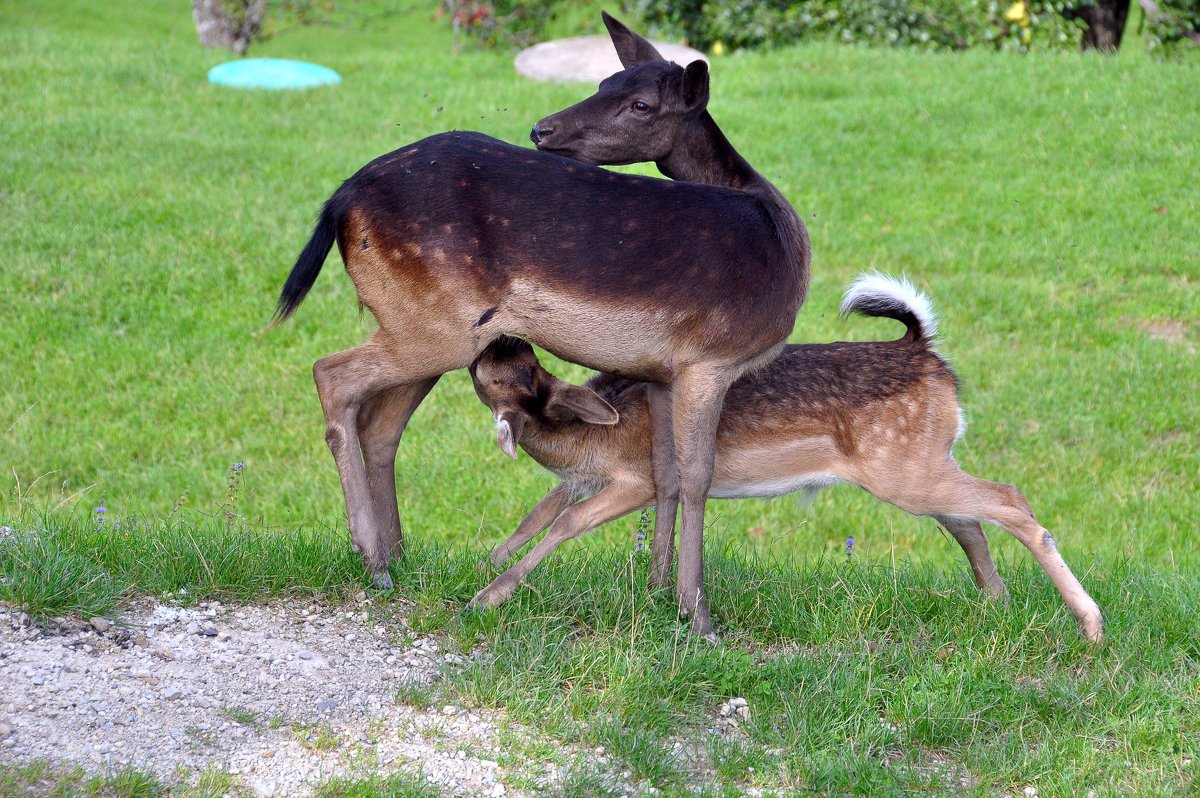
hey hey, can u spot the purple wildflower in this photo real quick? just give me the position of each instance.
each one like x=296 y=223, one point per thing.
x=850 y=546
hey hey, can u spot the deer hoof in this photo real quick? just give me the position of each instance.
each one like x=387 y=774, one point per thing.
x=484 y=600
x=493 y=595
x=1092 y=627
x=382 y=581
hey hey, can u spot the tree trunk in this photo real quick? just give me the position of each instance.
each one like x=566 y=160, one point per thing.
x=221 y=23
x=1105 y=24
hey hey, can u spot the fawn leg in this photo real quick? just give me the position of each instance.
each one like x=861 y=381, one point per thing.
x=613 y=501
x=970 y=537
x=959 y=495
x=1005 y=506
x=540 y=517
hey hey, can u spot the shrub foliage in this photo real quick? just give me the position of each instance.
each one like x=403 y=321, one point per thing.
x=924 y=24
x=717 y=25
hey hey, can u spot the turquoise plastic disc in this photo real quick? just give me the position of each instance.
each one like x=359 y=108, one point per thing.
x=272 y=73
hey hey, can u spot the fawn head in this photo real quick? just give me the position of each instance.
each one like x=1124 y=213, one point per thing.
x=510 y=380
x=637 y=114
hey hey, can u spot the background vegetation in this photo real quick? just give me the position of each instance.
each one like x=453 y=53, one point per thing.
x=1169 y=28
x=150 y=218
x=1048 y=204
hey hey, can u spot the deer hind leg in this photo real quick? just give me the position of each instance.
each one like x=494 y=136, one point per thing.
x=1004 y=505
x=697 y=396
x=964 y=496
x=382 y=420
x=970 y=537
x=666 y=486
x=346 y=382
x=540 y=517
x=613 y=501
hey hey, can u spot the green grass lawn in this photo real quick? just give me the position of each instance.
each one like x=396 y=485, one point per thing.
x=1048 y=204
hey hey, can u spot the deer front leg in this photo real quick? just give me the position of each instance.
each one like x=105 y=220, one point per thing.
x=613 y=501
x=382 y=420
x=666 y=485
x=540 y=517
x=697 y=397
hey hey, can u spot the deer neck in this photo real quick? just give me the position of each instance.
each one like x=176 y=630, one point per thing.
x=704 y=155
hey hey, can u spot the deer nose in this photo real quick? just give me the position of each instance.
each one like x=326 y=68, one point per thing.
x=540 y=132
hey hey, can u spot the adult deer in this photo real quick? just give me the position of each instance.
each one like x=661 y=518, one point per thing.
x=640 y=104
x=459 y=238
x=882 y=415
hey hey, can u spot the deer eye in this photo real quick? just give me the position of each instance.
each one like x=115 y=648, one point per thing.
x=640 y=106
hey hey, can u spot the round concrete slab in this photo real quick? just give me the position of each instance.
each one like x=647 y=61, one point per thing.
x=586 y=59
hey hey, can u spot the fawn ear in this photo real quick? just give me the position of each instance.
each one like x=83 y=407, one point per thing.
x=585 y=404
x=631 y=48
x=509 y=426
x=695 y=85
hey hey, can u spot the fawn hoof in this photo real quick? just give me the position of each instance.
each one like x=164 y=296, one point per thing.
x=1092 y=627
x=485 y=599
x=702 y=625
x=995 y=591
x=495 y=594
x=382 y=581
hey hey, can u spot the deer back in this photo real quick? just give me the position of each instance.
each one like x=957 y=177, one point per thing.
x=476 y=216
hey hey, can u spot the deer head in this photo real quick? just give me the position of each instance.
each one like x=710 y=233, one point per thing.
x=637 y=113
x=524 y=397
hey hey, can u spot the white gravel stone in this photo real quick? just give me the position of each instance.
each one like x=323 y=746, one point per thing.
x=180 y=702
x=101 y=625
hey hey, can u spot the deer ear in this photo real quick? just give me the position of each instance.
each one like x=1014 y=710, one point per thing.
x=695 y=84
x=631 y=48
x=509 y=426
x=584 y=403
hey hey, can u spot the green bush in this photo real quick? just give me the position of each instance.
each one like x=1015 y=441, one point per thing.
x=520 y=23
x=1169 y=33
x=715 y=25
x=924 y=24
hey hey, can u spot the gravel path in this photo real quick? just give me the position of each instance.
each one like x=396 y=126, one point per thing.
x=281 y=696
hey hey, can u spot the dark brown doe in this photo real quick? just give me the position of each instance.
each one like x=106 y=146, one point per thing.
x=639 y=105
x=459 y=238
x=883 y=415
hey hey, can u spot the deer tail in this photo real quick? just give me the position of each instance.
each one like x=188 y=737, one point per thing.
x=875 y=294
x=308 y=265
